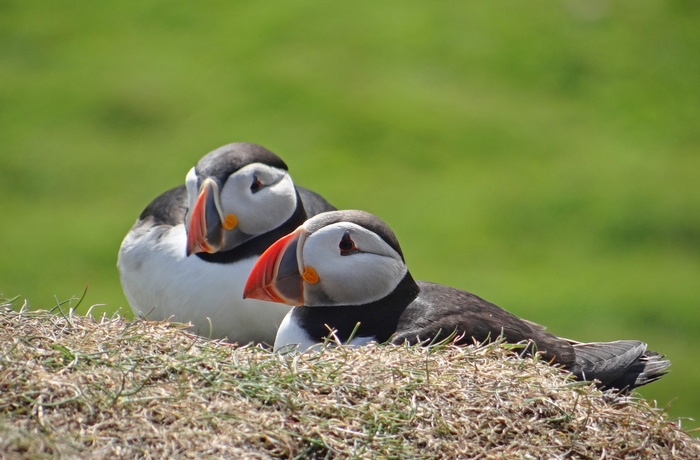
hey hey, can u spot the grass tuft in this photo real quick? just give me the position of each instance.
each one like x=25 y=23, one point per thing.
x=78 y=386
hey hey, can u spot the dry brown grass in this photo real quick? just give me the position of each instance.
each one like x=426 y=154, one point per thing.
x=82 y=388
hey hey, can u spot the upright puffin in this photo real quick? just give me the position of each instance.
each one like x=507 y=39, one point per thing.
x=344 y=268
x=188 y=255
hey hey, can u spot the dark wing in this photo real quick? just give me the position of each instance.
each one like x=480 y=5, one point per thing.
x=313 y=202
x=169 y=208
x=439 y=311
x=623 y=365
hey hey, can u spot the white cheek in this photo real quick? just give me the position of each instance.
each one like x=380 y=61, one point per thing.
x=260 y=212
x=358 y=278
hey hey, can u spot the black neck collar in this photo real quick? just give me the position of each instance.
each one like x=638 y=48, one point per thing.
x=378 y=319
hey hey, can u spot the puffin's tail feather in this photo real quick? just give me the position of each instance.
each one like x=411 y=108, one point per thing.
x=622 y=365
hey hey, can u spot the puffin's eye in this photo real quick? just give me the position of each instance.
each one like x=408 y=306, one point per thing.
x=347 y=245
x=257 y=185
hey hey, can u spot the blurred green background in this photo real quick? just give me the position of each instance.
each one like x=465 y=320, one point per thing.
x=543 y=155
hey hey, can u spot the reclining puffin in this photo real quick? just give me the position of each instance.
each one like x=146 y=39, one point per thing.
x=188 y=255
x=342 y=268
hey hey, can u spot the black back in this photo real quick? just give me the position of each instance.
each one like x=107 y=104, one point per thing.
x=439 y=311
x=313 y=202
x=169 y=208
x=420 y=311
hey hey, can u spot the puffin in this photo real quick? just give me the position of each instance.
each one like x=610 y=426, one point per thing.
x=187 y=257
x=344 y=273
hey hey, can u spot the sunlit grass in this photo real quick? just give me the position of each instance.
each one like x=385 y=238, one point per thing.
x=542 y=156
x=84 y=387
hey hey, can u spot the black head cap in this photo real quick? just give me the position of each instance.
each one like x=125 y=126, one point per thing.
x=226 y=160
x=361 y=218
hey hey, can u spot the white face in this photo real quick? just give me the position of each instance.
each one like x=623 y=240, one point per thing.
x=261 y=198
x=354 y=265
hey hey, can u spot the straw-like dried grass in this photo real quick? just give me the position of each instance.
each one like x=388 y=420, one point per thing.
x=78 y=387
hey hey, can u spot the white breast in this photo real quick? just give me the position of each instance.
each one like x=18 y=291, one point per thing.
x=161 y=282
x=290 y=335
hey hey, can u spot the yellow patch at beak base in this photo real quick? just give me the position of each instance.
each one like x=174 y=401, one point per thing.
x=310 y=275
x=230 y=222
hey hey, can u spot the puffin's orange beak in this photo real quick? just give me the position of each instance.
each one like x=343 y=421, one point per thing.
x=205 y=233
x=275 y=277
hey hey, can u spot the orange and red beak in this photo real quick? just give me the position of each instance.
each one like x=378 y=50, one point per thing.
x=276 y=276
x=206 y=228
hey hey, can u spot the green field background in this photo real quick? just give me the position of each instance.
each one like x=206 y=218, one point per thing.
x=543 y=155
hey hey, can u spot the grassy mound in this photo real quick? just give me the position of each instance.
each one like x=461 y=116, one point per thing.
x=79 y=387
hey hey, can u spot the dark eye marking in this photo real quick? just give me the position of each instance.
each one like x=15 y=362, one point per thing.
x=257 y=185
x=347 y=245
